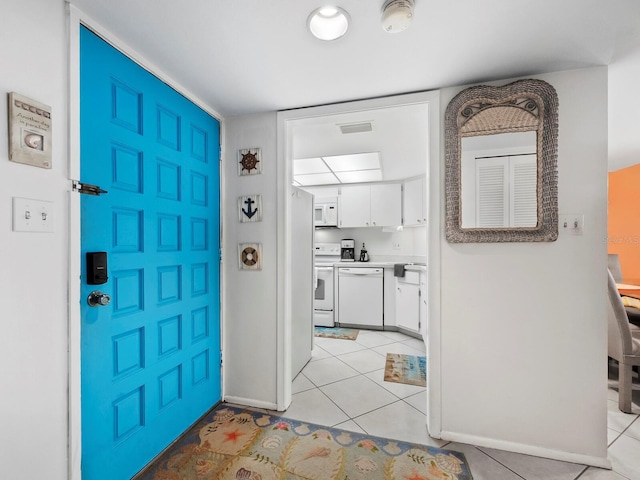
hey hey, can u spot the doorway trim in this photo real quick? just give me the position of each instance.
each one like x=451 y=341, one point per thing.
x=76 y=19
x=434 y=238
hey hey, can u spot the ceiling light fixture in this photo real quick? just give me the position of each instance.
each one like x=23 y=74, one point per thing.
x=397 y=15
x=328 y=23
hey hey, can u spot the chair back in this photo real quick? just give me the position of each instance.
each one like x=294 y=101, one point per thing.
x=619 y=332
x=614 y=266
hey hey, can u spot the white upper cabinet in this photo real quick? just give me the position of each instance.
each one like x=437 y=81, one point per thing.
x=378 y=205
x=415 y=209
x=355 y=206
x=386 y=205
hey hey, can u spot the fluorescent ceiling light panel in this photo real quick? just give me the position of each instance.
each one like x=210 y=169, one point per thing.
x=360 y=176
x=356 y=127
x=317 y=179
x=358 y=161
x=304 y=166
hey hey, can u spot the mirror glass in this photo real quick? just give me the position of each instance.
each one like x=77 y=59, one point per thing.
x=499 y=180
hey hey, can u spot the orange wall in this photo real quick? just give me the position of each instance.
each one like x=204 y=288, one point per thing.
x=624 y=219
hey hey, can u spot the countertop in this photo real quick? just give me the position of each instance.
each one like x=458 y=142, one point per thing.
x=409 y=266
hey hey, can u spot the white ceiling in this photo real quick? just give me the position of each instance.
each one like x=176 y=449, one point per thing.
x=246 y=56
x=398 y=133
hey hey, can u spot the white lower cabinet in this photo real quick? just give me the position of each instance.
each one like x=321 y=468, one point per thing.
x=408 y=301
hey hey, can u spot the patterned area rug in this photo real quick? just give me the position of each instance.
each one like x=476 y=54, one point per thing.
x=336 y=332
x=236 y=444
x=408 y=369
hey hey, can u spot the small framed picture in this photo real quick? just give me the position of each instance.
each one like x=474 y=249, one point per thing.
x=249 y=161
x=250 y=256
x=250 y=208
x=29 y=131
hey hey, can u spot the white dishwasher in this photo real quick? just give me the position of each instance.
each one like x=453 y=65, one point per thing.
x=360 y=293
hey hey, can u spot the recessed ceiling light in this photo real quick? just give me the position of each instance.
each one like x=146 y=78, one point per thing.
x=328 y=23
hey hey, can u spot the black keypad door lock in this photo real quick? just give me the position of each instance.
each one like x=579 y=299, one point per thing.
x=97 y=268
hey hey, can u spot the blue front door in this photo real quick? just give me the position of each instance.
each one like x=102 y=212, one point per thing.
x=150 y=358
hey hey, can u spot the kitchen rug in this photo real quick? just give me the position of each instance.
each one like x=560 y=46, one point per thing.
x=231 y=443
x=336 y=332
x=409 y=369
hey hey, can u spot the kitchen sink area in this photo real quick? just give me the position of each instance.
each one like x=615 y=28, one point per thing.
x=386 y=294
x=382 y=296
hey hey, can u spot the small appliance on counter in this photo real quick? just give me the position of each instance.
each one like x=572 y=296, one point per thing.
x=347 y=250
x=364 y=256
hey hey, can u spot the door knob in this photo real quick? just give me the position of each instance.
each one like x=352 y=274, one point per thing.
x=98 y=299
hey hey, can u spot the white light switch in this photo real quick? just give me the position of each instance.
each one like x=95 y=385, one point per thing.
x=572 y=223
x=32 y=215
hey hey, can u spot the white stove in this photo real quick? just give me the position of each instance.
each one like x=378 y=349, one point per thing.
x=326 y=254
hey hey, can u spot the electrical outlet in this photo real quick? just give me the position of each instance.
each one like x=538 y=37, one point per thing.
x=396 y=245
x=572 y=223
x=32 y=215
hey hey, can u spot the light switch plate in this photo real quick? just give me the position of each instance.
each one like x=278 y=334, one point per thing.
x=572 y=223
x=32 y=215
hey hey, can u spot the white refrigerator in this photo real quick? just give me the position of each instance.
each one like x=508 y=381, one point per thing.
x=302 y=279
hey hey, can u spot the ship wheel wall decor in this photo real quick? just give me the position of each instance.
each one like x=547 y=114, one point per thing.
x=250 y=256
x=249 y=161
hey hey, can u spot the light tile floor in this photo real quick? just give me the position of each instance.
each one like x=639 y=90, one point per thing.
x=343 y=387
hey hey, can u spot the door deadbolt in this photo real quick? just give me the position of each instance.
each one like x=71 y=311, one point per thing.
x=98 y=299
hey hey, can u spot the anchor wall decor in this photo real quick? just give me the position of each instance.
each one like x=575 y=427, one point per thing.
x=250 y=208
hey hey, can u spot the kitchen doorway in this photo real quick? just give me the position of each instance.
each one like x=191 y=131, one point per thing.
x=292 y=127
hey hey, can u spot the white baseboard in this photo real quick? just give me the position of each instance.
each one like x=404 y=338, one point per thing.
x=250 y=402
x=600 y=462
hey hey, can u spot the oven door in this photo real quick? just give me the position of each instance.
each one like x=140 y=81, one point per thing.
x=323 y=297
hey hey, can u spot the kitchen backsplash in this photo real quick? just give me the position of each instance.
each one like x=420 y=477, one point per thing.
x=408 y=245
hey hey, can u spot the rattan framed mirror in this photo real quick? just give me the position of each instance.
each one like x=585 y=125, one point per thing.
x=501 y=179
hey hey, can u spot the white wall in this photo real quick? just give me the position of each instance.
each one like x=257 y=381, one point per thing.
x=624 y=101
x=523 y=330
x=250 y=348
x=33 y=276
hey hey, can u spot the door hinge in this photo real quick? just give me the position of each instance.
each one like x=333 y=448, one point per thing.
x=220 y=253
x=221 y=358
x=87 y=188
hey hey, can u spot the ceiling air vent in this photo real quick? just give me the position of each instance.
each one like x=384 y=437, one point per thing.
x=356 y=127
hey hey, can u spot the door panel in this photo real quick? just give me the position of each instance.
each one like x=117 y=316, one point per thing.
x=151 y=358
x=302 y=276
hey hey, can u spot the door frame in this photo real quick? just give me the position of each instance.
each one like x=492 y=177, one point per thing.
x=435 y=182
x=76 y=19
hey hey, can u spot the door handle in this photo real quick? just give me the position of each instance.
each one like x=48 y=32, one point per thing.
x=98 y=299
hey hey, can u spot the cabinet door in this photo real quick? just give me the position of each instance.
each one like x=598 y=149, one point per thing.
x=408 y=306
x=414 y=203
x=386 y=205
x=355 y=208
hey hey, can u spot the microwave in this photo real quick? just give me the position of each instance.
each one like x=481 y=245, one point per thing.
x=325 y=212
